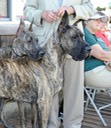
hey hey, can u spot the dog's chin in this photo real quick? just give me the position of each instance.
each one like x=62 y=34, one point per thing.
x=35 y=57
x=75 y=56
x=80 y=57
x=77 y=59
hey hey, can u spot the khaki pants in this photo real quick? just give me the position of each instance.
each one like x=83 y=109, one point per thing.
x=73 y=96
x=99 y=77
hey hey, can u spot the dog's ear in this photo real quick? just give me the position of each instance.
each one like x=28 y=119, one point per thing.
x=80 y=20
x=21 y=28
x=30 y=27
x=64 y=23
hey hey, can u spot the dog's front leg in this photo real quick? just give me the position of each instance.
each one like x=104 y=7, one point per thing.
x=34 y=115
x=22 y=114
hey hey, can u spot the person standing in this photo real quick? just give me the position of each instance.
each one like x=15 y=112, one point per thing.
x=46 y=16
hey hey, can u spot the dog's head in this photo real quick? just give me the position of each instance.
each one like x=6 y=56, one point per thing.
x=71 y=39
x=25 y=44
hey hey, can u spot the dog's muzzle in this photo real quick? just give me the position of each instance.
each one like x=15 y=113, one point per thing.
x=37 y=55
x=87 y=49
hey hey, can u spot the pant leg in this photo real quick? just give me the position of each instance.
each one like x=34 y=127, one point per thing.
x=54 y=121
x=73 y=93
x=99 y=77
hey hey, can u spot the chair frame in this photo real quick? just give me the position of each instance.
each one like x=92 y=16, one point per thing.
x=91 y=92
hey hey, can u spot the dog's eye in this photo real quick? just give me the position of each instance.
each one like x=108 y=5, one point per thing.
x=29 y=41
x=74 y=37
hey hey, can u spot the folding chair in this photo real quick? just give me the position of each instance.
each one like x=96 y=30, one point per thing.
x=90 y=93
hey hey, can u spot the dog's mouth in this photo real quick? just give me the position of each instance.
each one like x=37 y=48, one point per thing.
x=86 y=49
x=36 y=56
x=79 y=56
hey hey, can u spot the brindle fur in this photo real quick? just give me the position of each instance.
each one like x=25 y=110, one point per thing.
x=37 y=82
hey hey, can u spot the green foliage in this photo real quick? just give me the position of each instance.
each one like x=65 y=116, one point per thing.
x=101 y=9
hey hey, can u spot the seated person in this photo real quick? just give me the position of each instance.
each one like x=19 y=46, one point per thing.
x=101 y=32
x=96 y=73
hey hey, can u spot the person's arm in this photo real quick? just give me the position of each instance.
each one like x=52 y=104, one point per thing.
x=109 y=47
x=96 y=50
x=84 y=10
x=31 y=12
x=79 y=11
x=99 y=53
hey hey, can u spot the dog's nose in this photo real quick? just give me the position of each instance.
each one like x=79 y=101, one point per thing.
x=41 y=53
x=87 y=49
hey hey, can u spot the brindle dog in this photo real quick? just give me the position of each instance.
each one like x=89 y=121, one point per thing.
x=79 y=49
x=25 y=45
x=37 y=82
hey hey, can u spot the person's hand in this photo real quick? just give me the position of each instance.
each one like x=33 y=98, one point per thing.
x=61 y=10
x=49 y=16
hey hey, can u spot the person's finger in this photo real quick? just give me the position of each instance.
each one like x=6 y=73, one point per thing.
x=61 y=12
x=54 y=17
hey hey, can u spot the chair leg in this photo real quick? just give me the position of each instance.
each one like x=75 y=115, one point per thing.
x=92 y=93
x=86 y=104
x=109 y=92
x=108 y=105
x=98 y=112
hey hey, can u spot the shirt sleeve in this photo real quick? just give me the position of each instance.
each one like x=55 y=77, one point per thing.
x=90 y=38
x=32 y=12
x=84 y=10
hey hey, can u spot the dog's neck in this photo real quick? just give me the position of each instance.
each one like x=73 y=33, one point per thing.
x=6 y=52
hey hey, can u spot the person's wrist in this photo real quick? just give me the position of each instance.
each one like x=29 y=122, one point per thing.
x=42 y=14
